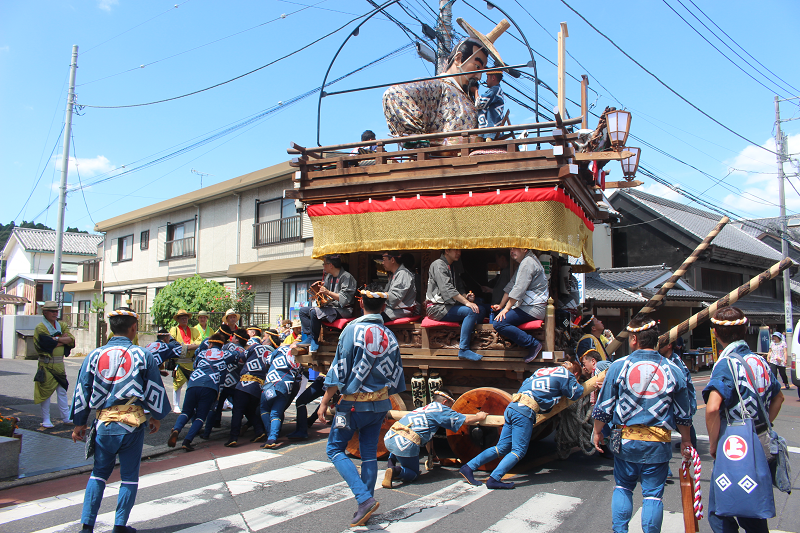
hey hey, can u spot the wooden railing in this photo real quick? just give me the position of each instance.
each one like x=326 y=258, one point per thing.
x=287 y=229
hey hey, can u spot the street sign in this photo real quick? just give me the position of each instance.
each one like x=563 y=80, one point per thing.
x=59 y=299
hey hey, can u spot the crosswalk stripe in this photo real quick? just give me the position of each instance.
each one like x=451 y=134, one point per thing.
x=46 y=505
x=672 y=522
x=142 y=512
x=429 y=509
x=528 y=517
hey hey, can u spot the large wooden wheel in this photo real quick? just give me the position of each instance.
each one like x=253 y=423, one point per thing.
x=469 y=441
x=352 y=446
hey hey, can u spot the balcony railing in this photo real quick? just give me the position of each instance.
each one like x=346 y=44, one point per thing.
x=179 y=248
x=287 y=229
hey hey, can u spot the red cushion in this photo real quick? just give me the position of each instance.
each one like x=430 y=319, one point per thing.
x=339 y=323
x=430 y=323
x=533 y=324
x=402 y=320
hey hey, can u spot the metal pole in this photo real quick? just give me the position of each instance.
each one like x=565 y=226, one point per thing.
x=445 y=38
x=62 y=189
x=780 y=146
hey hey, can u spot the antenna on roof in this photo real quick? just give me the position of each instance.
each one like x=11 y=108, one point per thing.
x=201 y=174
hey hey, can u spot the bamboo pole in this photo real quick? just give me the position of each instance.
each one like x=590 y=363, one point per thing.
x=658 y=297
x=729 y=299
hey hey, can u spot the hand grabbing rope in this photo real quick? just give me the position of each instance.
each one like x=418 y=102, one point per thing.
x=698 y=493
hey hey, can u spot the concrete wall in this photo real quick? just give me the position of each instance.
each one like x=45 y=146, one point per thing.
x=601 y=246
x=11 y=323
x=19 y=262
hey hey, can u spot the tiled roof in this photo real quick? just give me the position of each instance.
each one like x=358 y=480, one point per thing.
x=630 y=284
x=41 y=240
x=631 y=277
x=758 y=226
x=766 y=307
x=699 y=223
x=604 y=291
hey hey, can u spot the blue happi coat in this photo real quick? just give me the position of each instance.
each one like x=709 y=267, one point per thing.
x=547 y=386
x=677 y=361
x=163 y=351
x=644 y=389
x=283 y=371
x=111 y=375
x=210 y=367
x=724 y=382
x=231 y=376
x=367 y=360
x=256 y=364
x=424 y=421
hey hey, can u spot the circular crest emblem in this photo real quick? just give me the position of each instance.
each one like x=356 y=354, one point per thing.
x=114 y=364
x=735 y=448
x=213 y=355
x=647 y=379
x=548 y=371
x=375 y=341
x=759 y=373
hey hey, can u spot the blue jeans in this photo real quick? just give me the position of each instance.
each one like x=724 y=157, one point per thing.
x=197 y=405
x=728 y=524
x=129 y=449
x=368 y=424
x=468 y=319
x=653 y=478
x=512 y=446
x=508 y=328
x=272 y=413
x=409 y=467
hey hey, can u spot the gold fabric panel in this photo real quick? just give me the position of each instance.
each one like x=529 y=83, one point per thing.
x=543 y=225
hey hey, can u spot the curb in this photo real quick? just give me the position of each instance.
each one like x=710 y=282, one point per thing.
x=49 y=476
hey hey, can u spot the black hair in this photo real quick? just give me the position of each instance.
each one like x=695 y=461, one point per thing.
x=647 y=339
x=729 y=334
x=408 y=261
x=122 y=323
x=373 y=305
x=336 y=261
x=240 y=337
x=467 y=48
x=368 y=135
x=397 y=256
x=219 y=337
x=592 y=354
x=588 y=327
x=498 y=74
x=225 y=329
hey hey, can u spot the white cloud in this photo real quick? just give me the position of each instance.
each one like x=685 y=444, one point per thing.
x=87 y=167
x=662 y=191
x=106 y=5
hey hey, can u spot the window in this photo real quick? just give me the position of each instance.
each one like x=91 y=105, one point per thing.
x=277 y=221
x=719 y=280
x=180 y=240
x=83 y=314
x=116 y=303
x=125 y=248
x=91 y=270
x=144 y=240
x=296 y=295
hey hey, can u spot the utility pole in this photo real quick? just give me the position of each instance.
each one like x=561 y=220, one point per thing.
x=445 y=37
x=58 y=294
x=780 y=149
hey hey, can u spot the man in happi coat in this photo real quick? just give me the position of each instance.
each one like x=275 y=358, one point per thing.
x=538 y=394
x=279 y=388
x=119 y=380
x=189 y=337
x=229 y=379
x=53 y=342
x=339 y=287
x=723 y=402
x=366 y=369
x=407 y=436
x=165 y=348
x=645 y=396
x=445 y=104
x=247 y=394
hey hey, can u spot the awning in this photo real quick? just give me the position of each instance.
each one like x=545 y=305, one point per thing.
x=83 y=286
x=540 y=219
x=12 y=300
x=260 y=268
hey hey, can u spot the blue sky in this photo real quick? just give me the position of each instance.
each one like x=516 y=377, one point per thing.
x=203 y=42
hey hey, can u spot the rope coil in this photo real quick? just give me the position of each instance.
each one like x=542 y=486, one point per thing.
x=697 y=470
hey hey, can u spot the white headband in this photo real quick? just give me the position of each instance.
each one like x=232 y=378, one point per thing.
x=644 y=327
x=740 y=322
x=121 y=312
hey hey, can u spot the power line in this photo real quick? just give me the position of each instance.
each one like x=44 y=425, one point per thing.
x=673 y=91
x=133 y=28
x=315 y=41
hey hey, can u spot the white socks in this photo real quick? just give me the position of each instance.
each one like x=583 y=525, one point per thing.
x=176 y=401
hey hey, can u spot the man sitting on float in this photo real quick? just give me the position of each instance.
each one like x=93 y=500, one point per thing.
x=402 y=291
x=446 y=104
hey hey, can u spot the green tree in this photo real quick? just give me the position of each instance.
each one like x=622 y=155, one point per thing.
x=193 y=294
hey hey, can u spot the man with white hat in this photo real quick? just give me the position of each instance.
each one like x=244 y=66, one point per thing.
x=53 y=342
x=190 y=338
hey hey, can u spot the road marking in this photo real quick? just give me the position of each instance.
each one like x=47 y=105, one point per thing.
x=427 y=510
x=528 y=517
x=160 y=507
x=46 y=505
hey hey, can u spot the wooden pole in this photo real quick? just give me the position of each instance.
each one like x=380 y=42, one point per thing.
x=584 y=101
x=729 y=299
x=658 y=297
x=690 y=524
x=550 y=327
x=562 y=35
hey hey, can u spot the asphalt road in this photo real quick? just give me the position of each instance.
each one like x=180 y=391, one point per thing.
x=295 y=489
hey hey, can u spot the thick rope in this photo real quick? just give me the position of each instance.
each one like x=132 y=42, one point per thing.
x=575 y=429
x=697 y=469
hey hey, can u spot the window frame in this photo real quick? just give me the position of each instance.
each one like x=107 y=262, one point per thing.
x=144 y=240
x=170 y=232
x=120 y=240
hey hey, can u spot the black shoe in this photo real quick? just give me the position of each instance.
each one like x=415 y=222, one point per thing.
x=534 y=351
x=173 y=438
x=205 y=437
x=231 y=444
x=187 y=445
x=259 y=438
x=271 y=444
x=123 y=529
x=364 y=511
x=466 y=471
x=87 y=529
x=492 y=483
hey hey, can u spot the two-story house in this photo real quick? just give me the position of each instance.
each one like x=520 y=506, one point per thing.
x=242 y=229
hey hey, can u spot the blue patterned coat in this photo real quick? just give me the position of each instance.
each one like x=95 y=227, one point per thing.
x=547 y=386
x=424 y=421
x=210 y=367
x=162 y=351
x=283 y=371
x=256 y=364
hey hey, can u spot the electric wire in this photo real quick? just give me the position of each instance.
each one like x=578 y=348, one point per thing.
x=133 y=28
x=312 y=43
x=673 y=91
